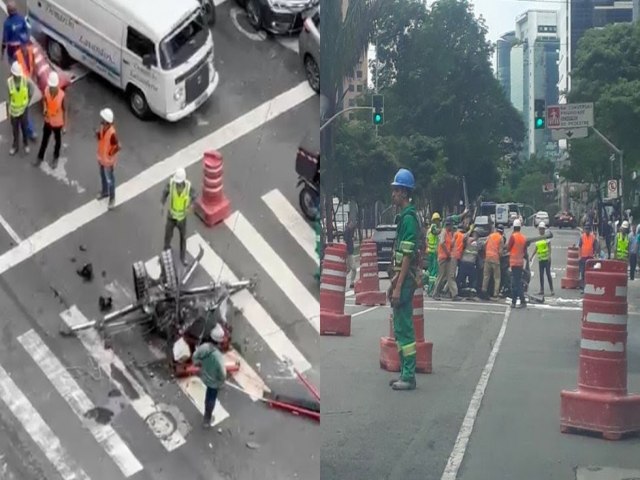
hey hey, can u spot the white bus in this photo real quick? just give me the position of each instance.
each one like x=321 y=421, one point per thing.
x=159 y=52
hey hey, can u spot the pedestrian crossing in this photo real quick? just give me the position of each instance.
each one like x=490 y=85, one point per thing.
x=278 y=353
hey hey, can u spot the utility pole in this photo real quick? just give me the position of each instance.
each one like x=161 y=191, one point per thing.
x=375 y=78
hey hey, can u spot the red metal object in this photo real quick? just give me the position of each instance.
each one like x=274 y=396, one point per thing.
x=294 y=409
x=213 y=206
x=311 y=388
x=367 y=288
x=389 y=357
x=333 y=282
x=571 y=280
x=42 y=69
x=601 y=403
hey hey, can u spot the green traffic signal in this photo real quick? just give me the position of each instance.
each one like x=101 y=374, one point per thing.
x=539 y=123
x=377 y=118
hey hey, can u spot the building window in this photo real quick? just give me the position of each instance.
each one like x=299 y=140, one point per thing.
x=351 y=88
x=359 y=88
x=359 y=74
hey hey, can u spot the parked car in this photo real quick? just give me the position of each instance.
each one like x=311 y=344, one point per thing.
x=513 y=216
x=383 y=237
x=309 y=49
x=540 y=216
x=278 y=17
x=565 y=219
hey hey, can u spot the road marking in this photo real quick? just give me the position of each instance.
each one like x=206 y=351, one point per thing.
x=69 y=389
x=143 y=405
x=195 y=390
x=37 y=428
x=251 y=309
x=277 y=269
x=462 y=441
x=157 y=173
x=365 y=311
x=606 y=473
x=290 y=219
x=463 y=310
x=246 y=377
x=12 y=233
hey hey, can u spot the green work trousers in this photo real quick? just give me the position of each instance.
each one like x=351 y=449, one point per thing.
x=404 y=331
x=433 y=271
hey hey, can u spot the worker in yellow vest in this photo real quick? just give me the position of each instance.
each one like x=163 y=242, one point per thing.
x=543 y=251
x=26 y=58
x=181 y=200
x=20 y=92
x=621 y=248
x=432 y=250
x=55 y=119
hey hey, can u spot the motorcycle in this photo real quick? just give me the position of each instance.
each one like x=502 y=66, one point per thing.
x=308 y=170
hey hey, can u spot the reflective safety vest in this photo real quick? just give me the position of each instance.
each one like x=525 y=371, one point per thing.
x=458 y=245
x=432 y=241
x=587 y=246
x=106 y=151
x=543 y=250
x=53 y=114
x=516 y=254
x=179 y=200
x=448 y=240
x=470 y=251
x=492 y=248
x=18 y=97
x=27 y=63
x=622 y=247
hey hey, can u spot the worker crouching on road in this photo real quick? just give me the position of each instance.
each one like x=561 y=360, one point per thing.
x=212 y=371
x=20 y=93
x=517 y=248
x=406 y=278
x=108 y=148
x=182 y=198
x=543 y=250
x=55 y=118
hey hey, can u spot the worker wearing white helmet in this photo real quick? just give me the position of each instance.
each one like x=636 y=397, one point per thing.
x=181 y=200
x=622 y=244
x=543 y=251
x=212 y=370
x=54 y=112
x=108 y=148
x=20 y=93
x=517 y=248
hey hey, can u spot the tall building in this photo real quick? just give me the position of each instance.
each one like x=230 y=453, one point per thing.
x=503 y=61
x=636 y=12
x=534 y=74
x=356 y=83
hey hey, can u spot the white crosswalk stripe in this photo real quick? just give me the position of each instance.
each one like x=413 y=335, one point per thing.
x=69 y=389
x=38 y=429
x=143 y=405
x=276 y=268
x=292 y=221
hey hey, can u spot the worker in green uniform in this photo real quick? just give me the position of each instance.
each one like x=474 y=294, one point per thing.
x=432 y=250
x=406 y=278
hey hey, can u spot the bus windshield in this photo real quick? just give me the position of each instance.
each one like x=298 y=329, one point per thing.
x=180 y=45
x=487 y=208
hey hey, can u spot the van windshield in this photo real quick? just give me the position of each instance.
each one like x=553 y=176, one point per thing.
x=181 y=44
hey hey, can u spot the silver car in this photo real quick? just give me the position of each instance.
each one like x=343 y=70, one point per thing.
x=309 y=48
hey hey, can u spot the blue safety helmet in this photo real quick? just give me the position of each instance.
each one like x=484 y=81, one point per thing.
x=404 y=178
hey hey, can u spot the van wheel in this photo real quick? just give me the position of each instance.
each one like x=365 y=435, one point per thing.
x=58 y=54
x=138 y=103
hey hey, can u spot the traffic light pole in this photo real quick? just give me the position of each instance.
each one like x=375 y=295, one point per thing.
x=621 y=154
x=349 y=109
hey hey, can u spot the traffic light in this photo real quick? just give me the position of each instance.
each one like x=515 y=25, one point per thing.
x=378 y=109
x=539 y=119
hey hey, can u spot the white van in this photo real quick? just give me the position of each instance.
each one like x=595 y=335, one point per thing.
x=160 y=52
x=502 y=215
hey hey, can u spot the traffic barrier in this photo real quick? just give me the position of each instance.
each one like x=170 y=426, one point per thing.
x=212 y=205
x=368 y=286
x=389 y=357
x=601 y=403
x=571 y=280
x=42 y=69
x=333 y=282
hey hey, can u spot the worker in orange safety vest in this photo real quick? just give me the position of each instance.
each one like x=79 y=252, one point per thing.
x=108 y=148
x=55 y=119
x=445 y=250
x=517 y=248
x=493 y=250
x=588 y=245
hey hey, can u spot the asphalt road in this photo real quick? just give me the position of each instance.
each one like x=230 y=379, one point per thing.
x=460 y=423
x=50 y=383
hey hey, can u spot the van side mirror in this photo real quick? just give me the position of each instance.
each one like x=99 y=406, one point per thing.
x=149 y=60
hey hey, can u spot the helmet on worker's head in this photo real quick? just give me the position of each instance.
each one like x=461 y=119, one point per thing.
x=625 y=224
x=53 y=81
x=404 y=178
x=435 y=216
x=217 y=334
x=180 y=176
x=107 y=115
x=16 y=69
x=500 y=229
x=517 y=223
x=541 y=225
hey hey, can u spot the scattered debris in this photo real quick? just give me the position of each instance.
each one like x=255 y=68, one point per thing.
x=253 y=445
x=104 y=274
x=73 y=259
x=86 y=272
x=100 y=414
x=105 y=303
x=82 y=248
